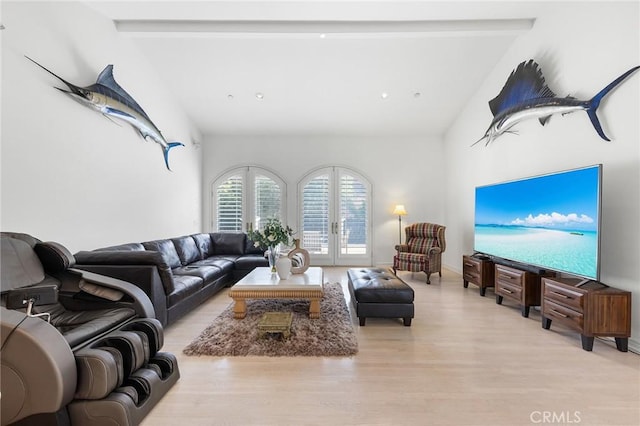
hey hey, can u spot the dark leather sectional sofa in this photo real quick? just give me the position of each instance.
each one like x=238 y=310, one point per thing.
x=177 y=273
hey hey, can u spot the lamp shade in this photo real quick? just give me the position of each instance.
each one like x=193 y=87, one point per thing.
x=399 y=210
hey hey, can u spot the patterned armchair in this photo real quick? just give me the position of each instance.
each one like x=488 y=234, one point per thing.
x=422 y=251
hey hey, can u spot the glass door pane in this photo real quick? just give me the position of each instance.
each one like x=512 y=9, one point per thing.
x=353 y=224
x=316 y=216
x=267 y=201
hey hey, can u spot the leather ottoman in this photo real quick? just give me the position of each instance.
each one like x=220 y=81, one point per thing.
x=378 y=293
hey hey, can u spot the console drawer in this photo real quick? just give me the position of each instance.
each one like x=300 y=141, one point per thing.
x=471 y=265
x=510 y=290
x=472 y=276
x=509 y=277
x=563 y=296
x=563 y=315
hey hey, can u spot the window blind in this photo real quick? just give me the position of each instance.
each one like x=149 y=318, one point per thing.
x=229 y=204
x=315 y=213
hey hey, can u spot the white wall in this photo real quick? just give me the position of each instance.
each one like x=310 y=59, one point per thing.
x=581 y=49
x=403 y=170
x=69 y=174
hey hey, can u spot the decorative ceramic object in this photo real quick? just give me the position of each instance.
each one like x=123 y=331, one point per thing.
x=283 y=267
x=300 y=260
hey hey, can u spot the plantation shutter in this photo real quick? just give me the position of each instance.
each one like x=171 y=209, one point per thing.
x=229 y=204
x=245 y=197
x=315 y=214
x=353 y=215
x=267 y=200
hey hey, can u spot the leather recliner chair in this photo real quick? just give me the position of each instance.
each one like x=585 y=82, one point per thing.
x=77 y=348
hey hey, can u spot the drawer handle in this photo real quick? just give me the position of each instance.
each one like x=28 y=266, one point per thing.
x=509 y=277
x=559 y=314
x=561 y=295
x=506 y=290
x=469 y=264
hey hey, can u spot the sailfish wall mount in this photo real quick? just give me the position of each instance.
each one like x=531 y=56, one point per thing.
x=526 y=95
x=107 y=97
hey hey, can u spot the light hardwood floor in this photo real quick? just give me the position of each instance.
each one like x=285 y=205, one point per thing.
x=463 y=361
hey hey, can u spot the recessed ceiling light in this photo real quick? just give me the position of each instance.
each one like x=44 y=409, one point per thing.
x=384 y=95
x=323 y=35
x=230 y=97
x=416 y=95
x=259 y=95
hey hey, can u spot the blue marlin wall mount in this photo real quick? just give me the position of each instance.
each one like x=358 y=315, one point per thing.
x=107 y=97
x=525 y=95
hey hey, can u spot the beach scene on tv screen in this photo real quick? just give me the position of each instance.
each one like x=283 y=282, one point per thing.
x=549 y=221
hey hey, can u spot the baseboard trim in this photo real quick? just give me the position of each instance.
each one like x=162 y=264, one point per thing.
x=633 y=345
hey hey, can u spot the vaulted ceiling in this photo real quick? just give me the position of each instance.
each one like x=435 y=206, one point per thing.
x=321 y=67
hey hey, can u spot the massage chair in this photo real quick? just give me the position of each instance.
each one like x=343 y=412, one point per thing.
x=77 y=348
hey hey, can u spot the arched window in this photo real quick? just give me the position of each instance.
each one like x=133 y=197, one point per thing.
x=244 y=197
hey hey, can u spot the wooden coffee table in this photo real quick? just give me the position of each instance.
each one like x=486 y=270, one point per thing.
x=262 y=284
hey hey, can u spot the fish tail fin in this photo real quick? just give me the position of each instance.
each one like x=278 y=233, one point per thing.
x=165 y=151
x=596 y=123
x=594 y=103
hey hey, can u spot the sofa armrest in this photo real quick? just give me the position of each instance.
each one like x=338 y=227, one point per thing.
x=142 y=303
x=402 y=248
x=37 y=366
x=127 y=258
x=144 y=277
x=120 y=257
x=434 y=250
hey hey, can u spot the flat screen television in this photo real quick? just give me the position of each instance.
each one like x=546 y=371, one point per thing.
x=551 y=221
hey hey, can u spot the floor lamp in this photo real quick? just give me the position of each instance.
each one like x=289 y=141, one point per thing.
x=400 y=211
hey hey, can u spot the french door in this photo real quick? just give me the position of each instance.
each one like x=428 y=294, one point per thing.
x=335 y=217
x=245 y=197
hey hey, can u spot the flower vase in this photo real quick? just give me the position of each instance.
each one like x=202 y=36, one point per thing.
x=272 y=254
x=283 y=267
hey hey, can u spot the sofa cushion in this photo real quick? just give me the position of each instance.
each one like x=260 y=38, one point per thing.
x=250 y=261
x=222 y=262
x=208 y=273
x=228 y=242
x=187 y=249
x=185 y=286
x=167 y=249
x=204 y=243
x=250 y=247
x=123 y=247
x=421 y=245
